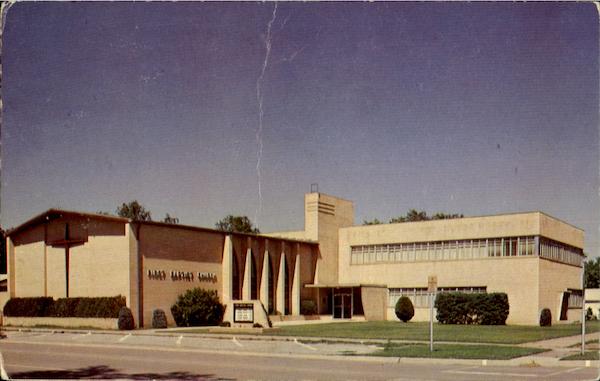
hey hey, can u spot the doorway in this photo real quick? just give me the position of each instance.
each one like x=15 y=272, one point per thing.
x=342 y=305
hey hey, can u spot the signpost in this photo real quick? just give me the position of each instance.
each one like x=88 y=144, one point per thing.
x=431 y=289
x=582 y=311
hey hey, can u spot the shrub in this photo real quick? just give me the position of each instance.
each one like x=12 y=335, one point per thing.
x=100 y=307
x=546 y=318
x=103 y=307
x=125 y=321
x=404 y=309
x=28 y=307
x=257 y=325
x=589 y=314
x=197 y=307
x=225 y=324
x=64 y=307
x=462 y=308
x=159 y=319
x=308 y=307
x=491 y=309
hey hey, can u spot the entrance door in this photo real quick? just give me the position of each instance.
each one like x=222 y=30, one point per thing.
x=342 y=306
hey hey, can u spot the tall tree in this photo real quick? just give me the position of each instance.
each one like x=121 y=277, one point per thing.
x=412 y=216
x=3 y=251
x=135 y=211
x=238 y=224
x=171 y=219
x=591 y=275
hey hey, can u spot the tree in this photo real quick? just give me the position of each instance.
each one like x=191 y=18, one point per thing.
x=171 y=219
x=2 y=251
x=404 y=309
x=197 y=307
x=134 y=211
x=444 y=216
x=591 y=276
x=237 y=224
x=415 y=215
x=374 y=221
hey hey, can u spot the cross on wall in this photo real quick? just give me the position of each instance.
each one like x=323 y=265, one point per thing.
x=67 y=243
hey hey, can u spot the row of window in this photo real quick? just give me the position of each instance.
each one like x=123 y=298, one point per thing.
x=575 y=299
x=561 y=253
x=419 y=296
x=465 y=249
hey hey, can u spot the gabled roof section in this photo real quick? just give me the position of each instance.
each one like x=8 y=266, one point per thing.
x=52 y=214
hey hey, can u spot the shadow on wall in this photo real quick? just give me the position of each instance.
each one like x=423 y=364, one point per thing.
x=105 y=372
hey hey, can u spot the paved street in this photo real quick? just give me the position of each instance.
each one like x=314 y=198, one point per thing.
x=120 y=355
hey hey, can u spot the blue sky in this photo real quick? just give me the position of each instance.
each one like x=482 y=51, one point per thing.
x=473 y=108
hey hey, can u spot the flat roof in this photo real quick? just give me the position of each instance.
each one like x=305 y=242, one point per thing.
x=344 y=285
x=469 y=217
x=209 y=230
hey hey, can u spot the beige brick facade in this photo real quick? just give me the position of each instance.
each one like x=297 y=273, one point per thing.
x=534 y=258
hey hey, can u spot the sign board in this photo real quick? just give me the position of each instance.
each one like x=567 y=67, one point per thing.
x=432 y=283
x=243 y=313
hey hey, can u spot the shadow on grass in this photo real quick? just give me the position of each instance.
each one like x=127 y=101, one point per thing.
x=105 y=372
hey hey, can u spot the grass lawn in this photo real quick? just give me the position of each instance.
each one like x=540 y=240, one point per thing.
x=456 y=351
x=502 y=334
x=588 y=355
x=594 y=341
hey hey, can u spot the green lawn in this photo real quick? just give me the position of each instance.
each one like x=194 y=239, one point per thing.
x=507 y=334
x=588 y=355
x=456 y=351
x=594 y=341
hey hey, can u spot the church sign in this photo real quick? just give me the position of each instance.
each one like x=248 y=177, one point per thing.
x=243 y=313
x=186 y=276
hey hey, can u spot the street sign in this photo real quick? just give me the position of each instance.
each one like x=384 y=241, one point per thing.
x=432 y=283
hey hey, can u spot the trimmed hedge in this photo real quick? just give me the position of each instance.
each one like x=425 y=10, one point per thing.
x=28 y=307
x=462 y=308
x=546 y=318
x=159 y=319
x=198 y=307
x=101 y=307
x=125 y=321
x=404 y=309
x=308 y=307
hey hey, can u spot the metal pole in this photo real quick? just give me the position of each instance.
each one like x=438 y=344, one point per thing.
x=431 y=322
x=582 y=310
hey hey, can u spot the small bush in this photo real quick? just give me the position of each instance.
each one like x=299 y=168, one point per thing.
x=589 y=314
x=308 y=307
x=28 y=307
x=404 y=309
x=463 y=308
x=197 y=307
x=125 y=319
x=256 y=325
x=546 y=318
x=159 y=319
x=225 y=324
